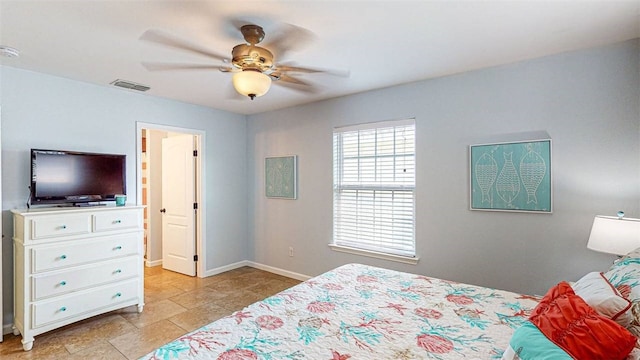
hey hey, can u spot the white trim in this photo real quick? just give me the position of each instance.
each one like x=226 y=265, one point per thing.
x=271 y=269
x=1 y=274
x=201 y=224
x=148 y=263
x=278 y=271
x=375 y=254
x=201 y=214
x=376 y=125
x=221 y=269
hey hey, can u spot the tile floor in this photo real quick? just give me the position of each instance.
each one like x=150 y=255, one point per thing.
x=174 y=305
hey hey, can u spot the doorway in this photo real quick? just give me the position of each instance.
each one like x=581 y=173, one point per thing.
x=160 y=244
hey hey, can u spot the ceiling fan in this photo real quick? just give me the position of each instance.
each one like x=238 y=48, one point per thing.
x=253 y=66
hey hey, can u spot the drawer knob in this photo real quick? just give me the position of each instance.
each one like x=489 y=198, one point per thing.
x=118 y=271
x=63 y=256
x=63 y=227
x=63 y=283
x=117 y=222
x=118 y=247
x=64 y=308
x=118 y=294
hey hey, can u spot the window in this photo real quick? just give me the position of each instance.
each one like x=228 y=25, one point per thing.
x=373 y=187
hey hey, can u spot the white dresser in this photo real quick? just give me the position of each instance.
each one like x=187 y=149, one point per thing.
x=74 y=263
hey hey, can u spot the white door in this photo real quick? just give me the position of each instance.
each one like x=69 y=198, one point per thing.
x=178 y=197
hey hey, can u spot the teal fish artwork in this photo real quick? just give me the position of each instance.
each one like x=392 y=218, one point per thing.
x=511 y=176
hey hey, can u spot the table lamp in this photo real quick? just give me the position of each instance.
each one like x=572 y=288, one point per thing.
x=614 y=235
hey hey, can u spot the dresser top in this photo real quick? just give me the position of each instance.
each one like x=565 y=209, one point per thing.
x=72 y=209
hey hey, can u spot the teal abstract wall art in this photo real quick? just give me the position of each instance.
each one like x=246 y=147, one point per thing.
x=281 y=177
x=514 y=176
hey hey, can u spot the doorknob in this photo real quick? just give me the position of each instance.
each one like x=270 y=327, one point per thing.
x=163 y=210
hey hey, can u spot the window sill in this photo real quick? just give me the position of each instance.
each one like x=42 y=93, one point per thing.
x=375 y=254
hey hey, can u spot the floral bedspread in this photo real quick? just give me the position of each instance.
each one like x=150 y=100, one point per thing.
x=363 y=312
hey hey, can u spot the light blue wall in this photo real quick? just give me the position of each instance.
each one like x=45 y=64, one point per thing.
x=42 y=111
x=587 y=101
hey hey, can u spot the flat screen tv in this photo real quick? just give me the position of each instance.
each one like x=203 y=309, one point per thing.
x=79 y=178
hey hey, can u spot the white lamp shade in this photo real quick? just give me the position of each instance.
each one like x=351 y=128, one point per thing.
x=614 y=235
x=251 y=83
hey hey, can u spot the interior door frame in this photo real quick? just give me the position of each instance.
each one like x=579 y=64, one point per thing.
x=200 y=231
x=2 y=328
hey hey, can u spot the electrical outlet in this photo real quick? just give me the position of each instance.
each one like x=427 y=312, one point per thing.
x=290 y=251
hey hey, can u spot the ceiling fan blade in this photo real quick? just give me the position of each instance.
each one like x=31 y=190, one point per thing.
x=295 y=84
x=159 y=66
x=292 y=80
x=299 y=69
x=162 y=38
x=288 y=37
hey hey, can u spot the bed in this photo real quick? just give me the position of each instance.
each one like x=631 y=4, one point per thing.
x=362 y=312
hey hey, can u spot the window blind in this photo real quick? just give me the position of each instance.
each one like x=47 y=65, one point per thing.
x=373 y=187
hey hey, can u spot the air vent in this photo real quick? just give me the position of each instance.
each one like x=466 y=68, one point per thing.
x=130 y=85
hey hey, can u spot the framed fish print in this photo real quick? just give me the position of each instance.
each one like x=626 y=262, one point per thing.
x=513 y=176
x=280 y=177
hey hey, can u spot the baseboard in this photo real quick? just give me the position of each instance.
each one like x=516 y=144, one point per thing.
x=7 y=329
x=271 y=269
x=222 y=269
x=148 y=263
x=275 y=270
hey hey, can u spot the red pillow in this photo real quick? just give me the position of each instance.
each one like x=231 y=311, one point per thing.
x=565 y=319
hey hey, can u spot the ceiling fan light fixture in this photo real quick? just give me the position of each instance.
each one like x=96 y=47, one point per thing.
x=251 y=83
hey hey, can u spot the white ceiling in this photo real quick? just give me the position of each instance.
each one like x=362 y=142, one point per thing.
x=380 y=43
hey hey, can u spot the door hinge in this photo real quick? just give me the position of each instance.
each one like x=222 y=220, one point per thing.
x=195 y=257
x=195 y=206
x=195 y=152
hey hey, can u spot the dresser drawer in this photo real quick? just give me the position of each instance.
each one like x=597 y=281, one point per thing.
x=61 y=308
x=84 y=251
x=63 y=282
x=116 y=220
x=63 y=225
